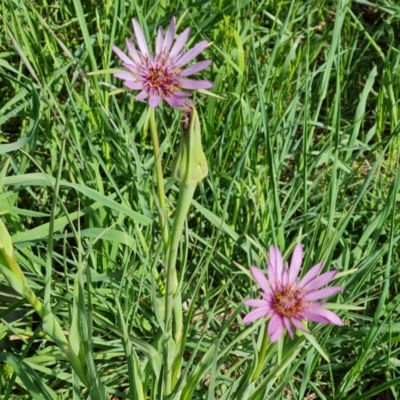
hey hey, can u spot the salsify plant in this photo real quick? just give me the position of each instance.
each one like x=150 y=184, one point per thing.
x=160 y=76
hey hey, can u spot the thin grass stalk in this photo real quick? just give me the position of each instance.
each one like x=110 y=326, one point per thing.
x=159 y=176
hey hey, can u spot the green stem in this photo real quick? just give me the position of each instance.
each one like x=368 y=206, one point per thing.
x=262 y=355
x=162 y=212
x=185 y=198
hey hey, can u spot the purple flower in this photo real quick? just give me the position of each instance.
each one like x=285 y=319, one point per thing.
x=289 y=301
x=160 y=76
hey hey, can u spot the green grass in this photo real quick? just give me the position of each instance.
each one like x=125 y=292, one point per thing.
x=304 y=146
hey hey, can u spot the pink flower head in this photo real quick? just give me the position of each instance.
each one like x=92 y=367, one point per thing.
x=160 y=76
x=289 y=301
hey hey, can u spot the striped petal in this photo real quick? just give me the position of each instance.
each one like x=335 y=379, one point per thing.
x=320 y=281
x=194 y=69
x=193 y=84
x=288 y=326
x=169 y=37
x=260 y=279
x=297 y=323
x=180 y=43
x=175 y=101
x=323 y=316
x=141 y=41
x=320 y=294
x=133 y=86
x=275 y=328
x=142 y=95
x=255 y=314
x=160 y=40
x=278 y=264
x=127 y=76
x=181 y=94
x=132 y=67
x=154 y=101
x=122 y=55
x=256 y=303
x=311 y=274
x=132 y=51
x=190 y=54
x=295 y=264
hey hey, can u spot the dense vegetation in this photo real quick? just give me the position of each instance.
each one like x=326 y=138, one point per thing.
x=302 y=141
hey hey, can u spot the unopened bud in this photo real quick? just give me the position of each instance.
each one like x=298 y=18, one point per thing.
x=190 y=164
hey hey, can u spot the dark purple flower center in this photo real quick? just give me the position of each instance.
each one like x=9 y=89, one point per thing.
x=287 y=302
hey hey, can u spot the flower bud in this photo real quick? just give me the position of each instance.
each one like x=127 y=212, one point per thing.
x=190 y=165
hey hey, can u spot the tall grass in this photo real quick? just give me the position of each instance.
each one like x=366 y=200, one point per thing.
x=303 y=146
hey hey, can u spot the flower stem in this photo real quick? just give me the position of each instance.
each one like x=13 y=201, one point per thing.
x=262 y=355
x=162 y=212
x=185 y=197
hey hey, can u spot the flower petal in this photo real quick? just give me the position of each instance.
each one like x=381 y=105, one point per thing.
x=295 y=264
x=320 y=294
x=142 y=95
x=297 y=323
x=311 y=274
x=132 y=51
x=256 y=303
x=323 y=316
x=122 y=55
x=169 y=37
x=261 y=279
x=271 y=267
x=133 y=86
x=159 y=40
x=267 y=296
x=132 y=67
x=180 y=43
x=175 y=101
x=154 y=100
x=193 y=84
x=141 y=41
x=194 y=69
x=275 y=328
x=192 y=53
x=127 y=76
x=181 y=94
x=288 y=326
x=320 y=281
x=255 y=314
